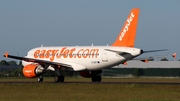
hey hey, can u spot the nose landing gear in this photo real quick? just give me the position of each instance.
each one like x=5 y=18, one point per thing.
x=40 y=79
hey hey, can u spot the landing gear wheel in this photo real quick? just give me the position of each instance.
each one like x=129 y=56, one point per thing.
x=56 y=79
x=96 y=78
x=61 y=78
x=93 y=78
x=40 y=79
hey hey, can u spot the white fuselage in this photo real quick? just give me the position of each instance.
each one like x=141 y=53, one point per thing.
x=91 y=57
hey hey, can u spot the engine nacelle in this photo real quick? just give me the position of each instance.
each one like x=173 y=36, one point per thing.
x=32 y=70
x=85 y=74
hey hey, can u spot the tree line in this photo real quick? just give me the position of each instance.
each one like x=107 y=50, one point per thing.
x=10 y=63
x=10 y=68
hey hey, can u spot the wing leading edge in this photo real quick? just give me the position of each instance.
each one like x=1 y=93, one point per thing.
x=74 y=66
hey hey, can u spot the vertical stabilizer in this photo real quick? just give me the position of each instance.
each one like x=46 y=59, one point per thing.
x=127 y=34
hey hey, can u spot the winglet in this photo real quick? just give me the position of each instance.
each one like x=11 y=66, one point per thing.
x=6 y=54
x=127 y=35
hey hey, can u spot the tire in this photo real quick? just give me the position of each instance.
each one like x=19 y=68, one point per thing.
x=61 y=78
x=40 y=79
x=98 y=77
x=93 y=78
x=56 y=78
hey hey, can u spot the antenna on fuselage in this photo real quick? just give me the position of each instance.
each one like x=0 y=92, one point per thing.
x=92 y=44
x=42 y=45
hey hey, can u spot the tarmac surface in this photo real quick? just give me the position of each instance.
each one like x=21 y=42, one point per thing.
x=175 y=83
x=159 y=81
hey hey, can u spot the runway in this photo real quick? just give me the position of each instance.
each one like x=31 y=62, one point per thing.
x=50 y=80
x=159 y=83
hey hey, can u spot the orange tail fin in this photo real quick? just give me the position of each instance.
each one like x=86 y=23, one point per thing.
x=127 y=35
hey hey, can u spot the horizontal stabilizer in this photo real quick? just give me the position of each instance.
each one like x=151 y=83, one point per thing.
x=118 y=52
x=154 y=50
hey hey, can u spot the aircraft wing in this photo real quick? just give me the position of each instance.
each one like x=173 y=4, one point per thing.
x=74 y=66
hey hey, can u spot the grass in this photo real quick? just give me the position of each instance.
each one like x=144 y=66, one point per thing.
x=88 y=91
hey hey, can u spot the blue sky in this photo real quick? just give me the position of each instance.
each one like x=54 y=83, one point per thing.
x=25 y=24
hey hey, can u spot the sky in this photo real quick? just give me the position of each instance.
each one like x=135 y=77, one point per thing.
x=26 y=24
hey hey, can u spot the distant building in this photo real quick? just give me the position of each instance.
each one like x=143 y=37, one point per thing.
x=150 y=69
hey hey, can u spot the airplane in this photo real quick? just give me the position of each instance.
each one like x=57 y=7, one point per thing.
x=87 y=60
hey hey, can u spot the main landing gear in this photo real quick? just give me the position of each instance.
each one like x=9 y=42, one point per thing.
x=95 y=76
x=59 y=78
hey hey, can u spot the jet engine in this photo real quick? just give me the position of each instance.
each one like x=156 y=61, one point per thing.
x=32 y=70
